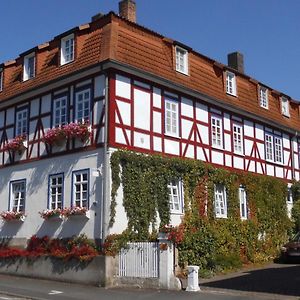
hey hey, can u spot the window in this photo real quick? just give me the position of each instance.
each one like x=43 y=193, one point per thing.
x=289 y=202
x=171 y=117
x=56 y=191
x=285 y=110
x=216 y=132
x=269 y=146
x=81 y=188
x=243 y=203
x=1 y=80
x=29 y=67
x=274 y=150
x=181 y=60
x=175 y=196
x=83 y=99
x=238 y=139
x=220 y=201
x=263 y=96
x=67 y=49
x=278 y=149
x=22 y=122
x=17 y=195
x=60 y=111
x=230 y=83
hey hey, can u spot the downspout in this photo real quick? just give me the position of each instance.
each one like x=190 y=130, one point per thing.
x=292 y=155
x=105 y=176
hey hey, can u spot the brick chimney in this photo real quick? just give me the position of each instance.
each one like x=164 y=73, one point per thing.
x=127 y=10
x=236 y=61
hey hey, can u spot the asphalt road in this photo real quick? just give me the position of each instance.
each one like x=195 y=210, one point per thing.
x=273 y=282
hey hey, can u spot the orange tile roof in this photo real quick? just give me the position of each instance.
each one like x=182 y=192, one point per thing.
x=112 y=37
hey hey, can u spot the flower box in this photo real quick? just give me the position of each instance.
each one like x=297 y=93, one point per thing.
x=55 y=136
x=18 y=144
x=9 y=216
x=51 y=214
x=76 y=212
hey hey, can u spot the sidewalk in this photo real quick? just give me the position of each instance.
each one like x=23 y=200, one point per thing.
x=274 y=281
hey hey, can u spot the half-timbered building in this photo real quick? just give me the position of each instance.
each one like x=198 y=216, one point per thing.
x=137 y=90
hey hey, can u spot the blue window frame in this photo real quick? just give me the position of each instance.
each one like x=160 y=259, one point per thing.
x=56 y=191
x=80 y=188
x=17 y=195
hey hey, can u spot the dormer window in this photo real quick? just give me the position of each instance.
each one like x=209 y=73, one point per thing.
x=29 y=66
x=67 y=49
x=230 y=83
x=181 y=60
x=263 y=97
x=285 y=109
x=1 y=80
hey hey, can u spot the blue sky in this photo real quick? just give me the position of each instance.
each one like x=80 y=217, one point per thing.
x=266 y=31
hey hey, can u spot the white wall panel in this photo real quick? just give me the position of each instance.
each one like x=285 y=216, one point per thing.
x=251 y=167
x=120 y=138
x=190 y=150
x=141 y=109
x=46 y=103
x=124 y=109
x=34 y=108
x=171 y=147
x=157 y=122
x=279 y=172
x=186 y=127
x=201 y=112
x=228 y=160
x=261 y=150
x=238 y=162
x=248 y=147
x=296 y=161
x=10 y=116
x=157 y=97
x=99 y=86
x=270 y=170
x=259 y=132
x=157 y=144
x=187 y=107
x=248 y=128
x=226 y=121
x=141 y=140
x=286 y=141
x=203 y=130
x=200 y=154
x=227 y=142
x=286 y=157
x=259 y=168
x=217 y=157
x=32 y=127
x=123 y=86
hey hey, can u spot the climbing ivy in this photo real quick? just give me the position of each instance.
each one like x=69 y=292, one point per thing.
x=209 y=242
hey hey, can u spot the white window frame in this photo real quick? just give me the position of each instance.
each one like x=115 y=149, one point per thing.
x=285 y=106
x=230 y=83
x=220 y=201
x=243 y=203
x=57 y=111
x=28 y=69
x=17 y=195
x=80 y=187
x=22 y=122
x=175 y=188
x=263 y=97
x=1 y=80
x=67 y=49
x=238 y=138
x=269 y=147
x=56 y=191
x=181 y=60
x=278 y=150
x=82 y=101
x=171 y=117
x=216 y=132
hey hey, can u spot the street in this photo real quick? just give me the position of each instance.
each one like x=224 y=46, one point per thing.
x=275 y=281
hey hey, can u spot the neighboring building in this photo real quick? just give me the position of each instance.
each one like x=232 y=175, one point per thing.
x=139 y=90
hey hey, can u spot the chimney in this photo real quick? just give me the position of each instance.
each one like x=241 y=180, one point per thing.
x=236 y=61
x=96 y=17
x=127 y=10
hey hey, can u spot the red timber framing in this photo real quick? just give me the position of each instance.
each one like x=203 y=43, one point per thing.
x=40 y=115
x=194 y=139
